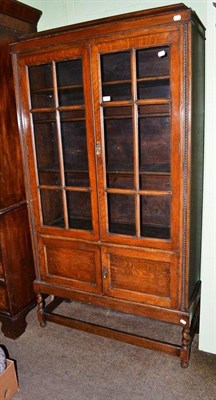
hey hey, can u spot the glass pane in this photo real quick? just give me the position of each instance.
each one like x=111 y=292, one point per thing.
x=155 y=216
x=152 y=62
x=73 y=130
x=154 y=138
x=52 y=207
x=116 y=76
x=70 y=82
x=118 y=134
x=153 y=73
x=46 y=148
x=154 y=181
x=121 y=214
x=153 y=89
x=79 y=210
x=41 y=86
x=117 y=92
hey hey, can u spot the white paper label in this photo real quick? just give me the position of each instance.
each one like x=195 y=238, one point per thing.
x=106 y=98
x=183 y=322
x=177 y=17
x=161 y=53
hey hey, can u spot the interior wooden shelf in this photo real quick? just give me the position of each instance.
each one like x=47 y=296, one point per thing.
x=54 y=169
x=74 y=223
x=143 y=79
x=153 y=78
x=162 y=232
x=53 y=121
x=118 y=82
x=48 y=90
x=118 y=172
x=159 y=232
x=140 y=115
x=139 y=102
x=160 y=171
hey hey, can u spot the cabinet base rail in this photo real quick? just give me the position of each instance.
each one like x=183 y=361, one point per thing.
x=45 y=313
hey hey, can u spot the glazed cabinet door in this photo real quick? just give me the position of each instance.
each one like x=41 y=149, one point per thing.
x=137 y=103
x=57 y=113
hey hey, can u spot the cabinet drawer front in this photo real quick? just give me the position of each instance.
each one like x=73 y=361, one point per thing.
x=70 y=263
x=141 y=276
x=3 y=299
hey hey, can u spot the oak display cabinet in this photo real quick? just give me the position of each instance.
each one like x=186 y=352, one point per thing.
x=111 y=115
x=16 y=259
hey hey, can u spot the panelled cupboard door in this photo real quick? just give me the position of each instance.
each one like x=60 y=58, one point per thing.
x=70 y=263
x=137 y=96
x=143 y=276
x=57 y=114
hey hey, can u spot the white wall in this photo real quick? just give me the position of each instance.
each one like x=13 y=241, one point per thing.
x=208 y=299
x=64 y=12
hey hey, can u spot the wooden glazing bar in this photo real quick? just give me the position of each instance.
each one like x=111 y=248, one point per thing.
x=113 y=334
x=116 y=103
x=60 y=108
x=71 y=108
x=43 y=110
x=141 y=192
x=135 y=142
x=120 y=191
x=78 y=189
x=60 y=147
x=143 y=102
x=50 y=187
x=69 y=188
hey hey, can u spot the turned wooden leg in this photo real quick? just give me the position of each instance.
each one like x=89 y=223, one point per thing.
x=40 y=315
x=185 y=350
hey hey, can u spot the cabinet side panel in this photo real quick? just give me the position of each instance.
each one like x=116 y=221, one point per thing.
x=11 y=169
x=17 y=257
x=197 y=151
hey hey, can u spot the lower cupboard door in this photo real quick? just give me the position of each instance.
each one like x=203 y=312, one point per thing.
x=141 y=276
x=70 y=263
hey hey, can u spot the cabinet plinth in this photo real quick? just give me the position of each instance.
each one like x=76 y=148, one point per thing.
x=111 y=116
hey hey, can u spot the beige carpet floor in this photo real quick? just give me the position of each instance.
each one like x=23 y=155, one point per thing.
x=60 y=363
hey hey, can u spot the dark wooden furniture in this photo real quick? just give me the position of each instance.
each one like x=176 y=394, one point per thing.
x=16 y=260
x=111 y=115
